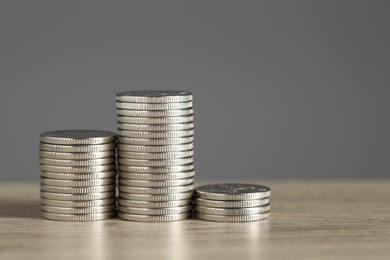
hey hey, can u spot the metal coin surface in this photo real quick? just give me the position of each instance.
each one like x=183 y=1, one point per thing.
x=156 y=184
x=77 y=176
x=155 y=163
x=77 y=204
x=155 y=113
x=155 y=211
x=155 y=141
x=154 y=96
x=222 y=218
x=78 y=218
x=156 y=170
x=154 y=218
x=78 y=190
x=233 y=192
x=154 y=106
x=77 y=197
x=156 y=197
x=77 y=156
x=156 y=156
x=77 y=148
x=233 y=212
x=78 y=211
x=150 y=191
x=154 y=204
x=231 y=203
x=79 y=170
x=155 y=148
x=77 y=163
x=155 y=128
x=155 y=135
x=75 y=183
x=78 y=137
x=155 y=120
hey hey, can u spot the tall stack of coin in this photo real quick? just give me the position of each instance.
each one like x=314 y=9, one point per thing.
x=232 y=202
x=155 y=155
x=78 y=175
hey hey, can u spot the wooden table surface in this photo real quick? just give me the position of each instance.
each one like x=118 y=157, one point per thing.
x=309 y=220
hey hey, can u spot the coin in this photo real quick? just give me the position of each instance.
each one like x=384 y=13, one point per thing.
x=154 y=96
x=77 y=197
x=78 y=190
x=155 y=135
x=156 y=184
x=77 y=204
x=156 y=176
x=80 y=170
x=155 y=218
x=149 y=106
x=81 y=183
x=231 y=203
x=155 y=211
x=155 y=113
x=155 y=163
x=78 y=211
x=233 y=212
x=150 y=191
x=155 y=120
x=233 y=192
x=155 y=141
x=156 y=197
x=154 y=204
x=78 y=163
x=156 y=156
x=77 y=156
x=156 y=170
x=155 y=148
x=77 y=176
x=222 y=218
x=78 y=137
x=155 y=128
x=77 y=148
x=69 y=217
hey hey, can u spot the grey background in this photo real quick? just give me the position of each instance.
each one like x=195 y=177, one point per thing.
x=283 y=89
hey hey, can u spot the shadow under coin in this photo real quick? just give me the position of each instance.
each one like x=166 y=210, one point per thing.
x=20 y=209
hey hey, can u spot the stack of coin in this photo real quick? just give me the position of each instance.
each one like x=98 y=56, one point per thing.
x=155 y=155
x=78 y=175
x=232 y=202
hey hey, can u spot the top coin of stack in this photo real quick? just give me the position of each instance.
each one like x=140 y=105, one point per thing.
x=155 y=155
x=78 y=174
x=232 y=202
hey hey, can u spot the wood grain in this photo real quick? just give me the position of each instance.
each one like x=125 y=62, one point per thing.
x=309 y=220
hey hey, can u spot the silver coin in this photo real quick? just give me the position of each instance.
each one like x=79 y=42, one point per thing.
x=78 y=211
x=80 y=170
x=233 y=192
x=156 y=135
x=155 y=163
x=78 y=137
x=78 y=190
x=152 y=191
x=154 y=96
x=77 y=197
x=78 y=218
x=155 y=148
x=77 y=156
x=156 y=184
x=156 y=170
x=154 y=204
x=77 y=204
x=77 y=176
x=155 y=120
x=77 y=163
x=156 y=176
x=155 y=106
x=75 y=183
x=155 y=128
x=77 y=148
x=222 y=218
x=155 y=218
x=233 y=212
x=156 y=197
x=155 y=113
x=156 y=156
x=231 y=203
x=155 y=211
x=155 y=141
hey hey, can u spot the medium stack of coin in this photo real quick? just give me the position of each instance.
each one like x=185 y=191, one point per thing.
x=232 y=202
x=78 y=175
x=155 y=155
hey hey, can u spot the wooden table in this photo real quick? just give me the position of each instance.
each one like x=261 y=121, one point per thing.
x=309 y=220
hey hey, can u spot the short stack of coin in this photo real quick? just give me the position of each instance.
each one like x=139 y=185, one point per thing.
x=232 y=202
x=78 y=175
x=155 y=155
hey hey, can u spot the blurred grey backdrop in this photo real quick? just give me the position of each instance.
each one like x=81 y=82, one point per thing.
x=283 y=89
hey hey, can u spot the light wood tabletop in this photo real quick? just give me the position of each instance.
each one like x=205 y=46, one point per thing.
x=309 y=220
